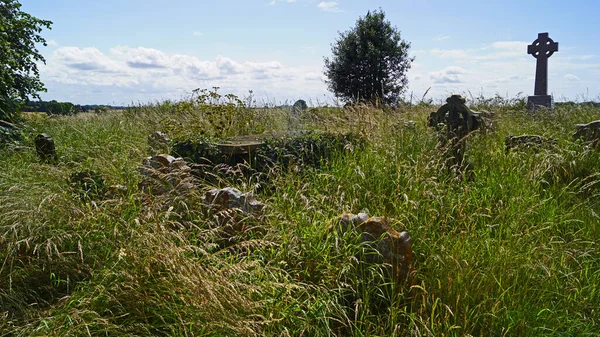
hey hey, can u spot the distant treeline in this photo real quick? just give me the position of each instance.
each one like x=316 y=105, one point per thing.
x=582 y=104
x=65 y=108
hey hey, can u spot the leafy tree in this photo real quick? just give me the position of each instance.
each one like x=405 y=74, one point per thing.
x=369 y=62
x=19 y=76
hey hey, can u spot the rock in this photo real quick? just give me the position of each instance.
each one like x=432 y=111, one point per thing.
x=534 y=142
x=394 y=248
x=588 y=132
x=158 y=142
x=44 y=146
x=164 y=173
x=232 y=198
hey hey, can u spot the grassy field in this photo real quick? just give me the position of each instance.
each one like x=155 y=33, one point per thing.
x=512 y=252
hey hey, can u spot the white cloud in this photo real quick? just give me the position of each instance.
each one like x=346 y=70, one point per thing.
x=130 y=74
x=570 y=77
x=86 y=59
x=450 y=53
x=274 y=2
x=514 y=46
x=52 y=43
x=441 y=37
x=329 y=6
x=197 y=33
x=448 y=75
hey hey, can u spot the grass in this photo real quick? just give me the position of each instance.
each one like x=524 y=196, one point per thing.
x=513 y=252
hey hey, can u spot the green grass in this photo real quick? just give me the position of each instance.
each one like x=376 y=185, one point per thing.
x=513 y=252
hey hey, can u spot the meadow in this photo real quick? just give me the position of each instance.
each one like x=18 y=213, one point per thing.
x=511 y=252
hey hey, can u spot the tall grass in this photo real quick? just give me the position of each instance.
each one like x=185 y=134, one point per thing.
x=512 y=252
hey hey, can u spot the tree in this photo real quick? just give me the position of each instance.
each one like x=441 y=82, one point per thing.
x=19 y=76
x=369 y=62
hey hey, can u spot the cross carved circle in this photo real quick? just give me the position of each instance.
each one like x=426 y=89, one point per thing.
x=543 y=45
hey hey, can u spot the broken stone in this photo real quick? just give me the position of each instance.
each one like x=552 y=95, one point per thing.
x=44 y=146
x=589 y=133
x=533 y=142
x=232 y=198
x=393 y=247
x=235 y=213
x=164 y=173
x=158 y=142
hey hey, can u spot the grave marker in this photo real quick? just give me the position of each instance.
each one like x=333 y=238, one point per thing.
x=542 y=48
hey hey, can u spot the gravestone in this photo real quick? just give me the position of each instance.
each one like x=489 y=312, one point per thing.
x=457 y=120
x=542 y=48
x=44 y=146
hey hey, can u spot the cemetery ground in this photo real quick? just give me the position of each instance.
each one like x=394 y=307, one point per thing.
x=512 y=250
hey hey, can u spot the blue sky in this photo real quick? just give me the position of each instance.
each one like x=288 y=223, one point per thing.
x=128 y=51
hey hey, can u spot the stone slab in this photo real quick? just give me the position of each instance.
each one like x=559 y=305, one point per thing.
x=540 y=101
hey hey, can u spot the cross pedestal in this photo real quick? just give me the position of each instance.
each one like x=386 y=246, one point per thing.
x=542 y=48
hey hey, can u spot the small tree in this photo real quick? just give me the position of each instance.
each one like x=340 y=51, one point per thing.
x=19 y=76
x=369 y=62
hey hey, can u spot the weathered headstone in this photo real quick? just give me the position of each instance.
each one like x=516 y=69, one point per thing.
x=589 y=133
x=44 y=146
x=458 y=121
x=542 y=48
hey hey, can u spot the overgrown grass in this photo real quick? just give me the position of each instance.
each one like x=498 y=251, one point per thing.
x=512 y=252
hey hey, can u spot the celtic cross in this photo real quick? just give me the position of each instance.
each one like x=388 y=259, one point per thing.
x=542 y=48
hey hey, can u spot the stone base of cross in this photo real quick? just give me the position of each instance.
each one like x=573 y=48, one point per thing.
x=540 y=101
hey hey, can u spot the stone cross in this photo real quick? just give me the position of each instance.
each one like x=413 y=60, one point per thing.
x=542 y=48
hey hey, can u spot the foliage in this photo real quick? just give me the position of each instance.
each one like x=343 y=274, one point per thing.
x=306 y=149
x=52 y=107
x=369 y=62
x=303 y=149
x=19 y=77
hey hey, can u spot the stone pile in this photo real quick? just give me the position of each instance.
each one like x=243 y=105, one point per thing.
x=164 y=173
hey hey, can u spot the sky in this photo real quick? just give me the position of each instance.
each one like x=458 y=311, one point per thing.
x=124 y=52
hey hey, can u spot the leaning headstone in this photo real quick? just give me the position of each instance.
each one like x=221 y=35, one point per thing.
x=393 y=248
x=589 y=133
x=542 y=48
x=44 y=146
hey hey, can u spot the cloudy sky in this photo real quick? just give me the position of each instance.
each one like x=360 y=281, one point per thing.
x=121 y=52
